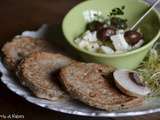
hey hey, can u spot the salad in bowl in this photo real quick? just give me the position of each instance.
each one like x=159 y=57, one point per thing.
x=110 y=34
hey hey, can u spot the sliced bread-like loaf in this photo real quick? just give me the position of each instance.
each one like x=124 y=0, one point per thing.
x=20 y=47
x=39 y=71
x=90 y=84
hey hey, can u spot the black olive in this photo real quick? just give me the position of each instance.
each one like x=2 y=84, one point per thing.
x=95 y=26
x=106 y=33
x=136 y=78
x=133 y=37
x=119 y=23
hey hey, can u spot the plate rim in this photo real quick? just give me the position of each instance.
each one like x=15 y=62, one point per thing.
x=30 y=98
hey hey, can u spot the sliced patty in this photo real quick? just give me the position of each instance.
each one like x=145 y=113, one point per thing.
x=90 y=84
x=38 y=72
x=21 y=47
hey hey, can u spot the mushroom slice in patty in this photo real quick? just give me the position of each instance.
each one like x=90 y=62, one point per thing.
x=130 y=83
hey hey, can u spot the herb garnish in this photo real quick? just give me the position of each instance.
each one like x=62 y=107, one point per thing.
x=117 y=21
x=117 y=11
x=114 y=18
x=150 y=70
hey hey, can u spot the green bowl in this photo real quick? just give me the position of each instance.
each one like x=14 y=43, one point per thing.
x=74 y=25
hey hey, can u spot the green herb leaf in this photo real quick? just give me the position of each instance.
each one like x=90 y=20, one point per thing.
x=123 y=7
x=117 y=11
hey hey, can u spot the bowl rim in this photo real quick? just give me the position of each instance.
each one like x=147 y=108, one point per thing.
x=110 y=55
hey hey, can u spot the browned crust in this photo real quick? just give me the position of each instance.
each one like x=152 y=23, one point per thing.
x=98 y=103
x=33 y=76
x=21 y=47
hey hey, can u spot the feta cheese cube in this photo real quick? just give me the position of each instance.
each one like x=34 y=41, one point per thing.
x=89 y=15
x=120 y=43
x=107 y=50
x=83 y=44
x=90 y=36
x=93 y=47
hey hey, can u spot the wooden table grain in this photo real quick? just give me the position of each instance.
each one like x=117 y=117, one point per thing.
x=20 y=15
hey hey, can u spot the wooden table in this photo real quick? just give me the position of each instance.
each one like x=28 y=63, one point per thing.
x=19 y=15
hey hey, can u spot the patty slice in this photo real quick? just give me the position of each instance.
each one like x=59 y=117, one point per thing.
x=90 y=83
x=39 y=71
x=20 y=47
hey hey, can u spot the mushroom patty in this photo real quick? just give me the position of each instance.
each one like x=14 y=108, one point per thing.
x=21 y=47
x=90 y=84
x=38 y=72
